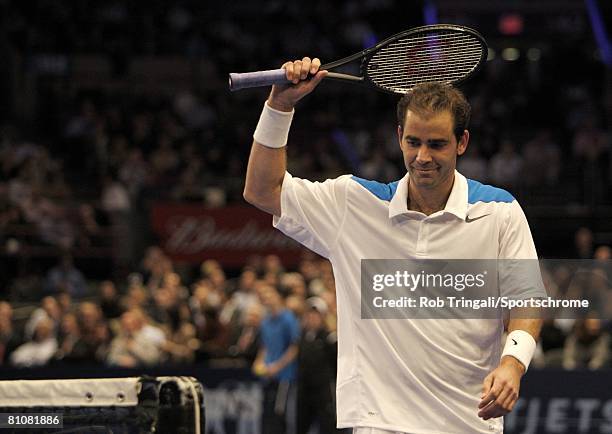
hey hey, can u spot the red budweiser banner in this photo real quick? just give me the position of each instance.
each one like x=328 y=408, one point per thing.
x=192 y=233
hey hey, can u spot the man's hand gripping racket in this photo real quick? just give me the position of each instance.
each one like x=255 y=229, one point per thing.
x=302 y=77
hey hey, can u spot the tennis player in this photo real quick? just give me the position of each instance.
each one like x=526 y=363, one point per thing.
x=400 y=375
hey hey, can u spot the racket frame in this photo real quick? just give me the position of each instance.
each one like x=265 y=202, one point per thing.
x=367 y=54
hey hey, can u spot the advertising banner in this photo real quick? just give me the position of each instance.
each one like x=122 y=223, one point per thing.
x=193 y=233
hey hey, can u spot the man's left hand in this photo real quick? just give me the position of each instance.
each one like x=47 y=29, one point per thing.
x=500 y=389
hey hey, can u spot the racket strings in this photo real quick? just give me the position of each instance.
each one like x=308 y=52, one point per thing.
x=430 y=66
x=404 y=63
x=452 y=70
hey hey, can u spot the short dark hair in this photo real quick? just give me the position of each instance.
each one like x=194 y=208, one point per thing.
x=429 y=98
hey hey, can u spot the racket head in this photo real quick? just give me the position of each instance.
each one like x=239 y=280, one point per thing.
x=444 y=53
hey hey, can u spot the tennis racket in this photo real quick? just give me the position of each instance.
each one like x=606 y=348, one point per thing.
x=442 y=53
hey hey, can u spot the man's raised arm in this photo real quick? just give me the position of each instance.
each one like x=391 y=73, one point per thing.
x=268 y=159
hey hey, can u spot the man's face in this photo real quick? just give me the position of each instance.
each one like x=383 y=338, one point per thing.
x=128 y=323
x=270 y=298
x=313 y=320
x=430 y=148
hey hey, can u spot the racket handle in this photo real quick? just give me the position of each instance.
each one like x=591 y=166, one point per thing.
x=257 y=79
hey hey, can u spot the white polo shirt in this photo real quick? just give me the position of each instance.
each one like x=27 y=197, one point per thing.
x=413 y=376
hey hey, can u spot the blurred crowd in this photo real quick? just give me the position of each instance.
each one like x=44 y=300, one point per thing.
x=157 y=317
x=569 y=339
x=86 y=166
x=160 y=316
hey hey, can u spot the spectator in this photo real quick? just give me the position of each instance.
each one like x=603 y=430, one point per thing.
x=317 y=371
x=379 y=168
x=64 y=300
x=134 y=173
x=331 y=319
x=192 y=111
x=9 y=213
x=118 y=149
x=39 y=350
x=505 y=166
x=94 y=330
x=88 y=225
x=591 y=148
x=66 y=277
x=82 y=124
x=72 y=347
x=293 y=283
x=90 y=317
x=211 y=332
x=137 y=297
x=552 y=342
x=172 y=283
x=109 y=300
x=276 y=363
x=101 y=339
x=132 y=347
x=115 y=199
x=149 y=331
x=156 y=266
x=189 y=187
x=603 y=253
x=164 y=159
x=49 y=309
x=542 y=157
x=583 y=240
x=202 y=298
x=272 y=264
x=181 y=345
x=166 y=308
x=473 y=165
x=296 y=304
x=10 y=338
x=242 y=298
x=245 y=341
x=219 y=282
x=117 y=204
x=588 y=346
x=49 y=219
x=590 y=142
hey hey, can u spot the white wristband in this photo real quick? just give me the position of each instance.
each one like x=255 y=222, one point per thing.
x=520 y=345
x=273 y=128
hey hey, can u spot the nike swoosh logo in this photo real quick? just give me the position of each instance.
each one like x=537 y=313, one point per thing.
x=515 y=342
x=468 y=219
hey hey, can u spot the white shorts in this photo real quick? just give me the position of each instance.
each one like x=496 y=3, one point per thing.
x=368 y=430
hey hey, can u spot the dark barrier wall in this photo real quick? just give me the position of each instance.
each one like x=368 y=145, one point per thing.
x=556 y=401
x=552 y=401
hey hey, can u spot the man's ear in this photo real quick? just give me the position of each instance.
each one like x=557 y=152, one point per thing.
x=400 y=133
x=463 y=143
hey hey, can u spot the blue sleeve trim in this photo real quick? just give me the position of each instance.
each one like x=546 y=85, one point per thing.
x=378 y=189
x=478 y=192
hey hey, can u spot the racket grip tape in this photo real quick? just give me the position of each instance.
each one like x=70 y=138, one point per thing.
x=257 y=79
